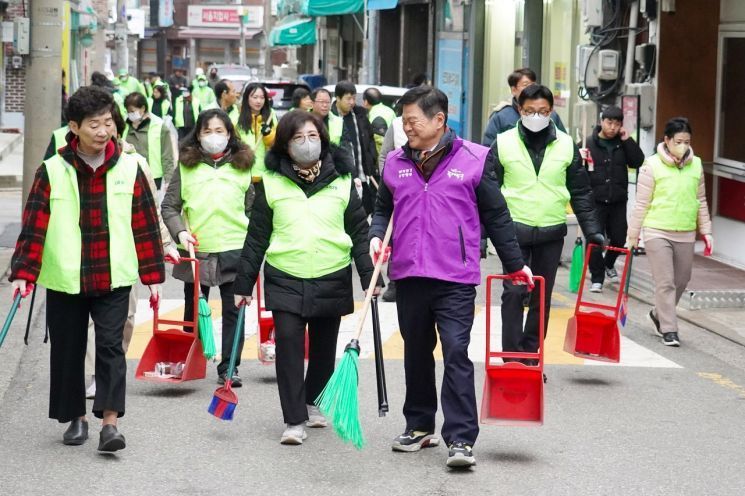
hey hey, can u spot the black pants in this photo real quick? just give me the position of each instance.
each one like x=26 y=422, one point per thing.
x=68 y=332
x=423 y=304
x=543 y=260
x=229 y=319
x=612 y=219
x=295 y=392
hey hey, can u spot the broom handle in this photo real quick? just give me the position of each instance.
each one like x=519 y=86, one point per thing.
x=374 y=280
x=9 y=318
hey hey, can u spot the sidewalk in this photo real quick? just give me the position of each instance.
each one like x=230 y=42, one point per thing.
x=11 y=160
x=714 y=299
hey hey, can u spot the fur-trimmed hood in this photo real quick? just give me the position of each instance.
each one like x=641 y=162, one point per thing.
x=340 y=157
x=241 y=159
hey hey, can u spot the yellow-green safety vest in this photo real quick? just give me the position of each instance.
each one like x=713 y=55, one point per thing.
x=674 y=205
x=257 y=145
x=178 y=118
x=119 y=100
x=165 y=107
x=382 y=110
x=234 y=113
x=537 y=200
x=59 y=136
x=61 y=258
x=214 y=200
x=308 y=239
x=336 y=128
x=154 y=150
x=205 y=95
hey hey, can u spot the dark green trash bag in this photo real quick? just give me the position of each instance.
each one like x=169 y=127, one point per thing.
x=578 y=262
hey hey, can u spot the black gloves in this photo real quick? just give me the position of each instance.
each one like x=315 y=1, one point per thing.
x=596 y=239
x=266 y=128
x=482 y=247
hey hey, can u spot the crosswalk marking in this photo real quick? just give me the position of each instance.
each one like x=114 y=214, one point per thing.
x=632 y=354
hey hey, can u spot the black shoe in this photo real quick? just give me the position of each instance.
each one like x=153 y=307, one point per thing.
x=236 y=381
x=412 y=440
x=670 y=339
x=460 y=455
x=111 y=440
x=76 y=434
x=655 y=322
x=390 y=292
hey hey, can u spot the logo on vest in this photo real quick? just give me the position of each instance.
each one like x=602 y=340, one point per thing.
x=456 y=173
x=405 y=173
x=119 y=182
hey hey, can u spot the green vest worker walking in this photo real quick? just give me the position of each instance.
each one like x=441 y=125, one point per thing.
x=212 y=189
x=309 y=223
x=257 y=123
x=185 y=112
x=149 y=136
x=670 y=207
x=227 y=96
x=90 y=230
x=379 y=114
x=203 y=92
x=322 y=108
x=129 y=84
x=540 y=170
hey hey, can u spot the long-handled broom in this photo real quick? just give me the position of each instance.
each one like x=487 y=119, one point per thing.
x=224 y=400
x=339 y=400
x=12 y=313
x=204 y=323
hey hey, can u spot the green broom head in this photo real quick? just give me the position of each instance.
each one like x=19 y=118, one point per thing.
x=206 y=333
x=339 y=399
x=578 y=262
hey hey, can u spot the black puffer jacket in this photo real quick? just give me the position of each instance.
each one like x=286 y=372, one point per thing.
x=577 y=182
x=327 y=296
x=610 y=177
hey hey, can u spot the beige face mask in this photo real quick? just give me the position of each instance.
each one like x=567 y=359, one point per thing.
x=678 y=150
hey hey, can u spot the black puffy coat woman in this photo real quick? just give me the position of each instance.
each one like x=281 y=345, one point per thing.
x=308 y=221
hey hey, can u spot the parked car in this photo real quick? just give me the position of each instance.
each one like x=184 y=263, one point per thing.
x=281 y=94
x=239 y=75
x=391 y=94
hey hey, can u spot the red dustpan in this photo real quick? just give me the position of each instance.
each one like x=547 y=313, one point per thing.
x=513 y=391
x=171 y=344
x=265 y=334
x=593 y=331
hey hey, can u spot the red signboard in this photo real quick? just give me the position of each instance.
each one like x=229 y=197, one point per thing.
x=731 y=198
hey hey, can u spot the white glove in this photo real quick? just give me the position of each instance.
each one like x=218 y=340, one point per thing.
x=376 y=244
x=172 y=255
x=22 y=287
x=185 y=238
x=242 y=300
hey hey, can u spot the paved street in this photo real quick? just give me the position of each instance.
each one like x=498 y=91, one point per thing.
x=664 y=421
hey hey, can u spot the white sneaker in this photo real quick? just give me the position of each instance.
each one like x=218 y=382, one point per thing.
x=315 y=417
x=90 y=393
x=596 y=287
x=293 y=434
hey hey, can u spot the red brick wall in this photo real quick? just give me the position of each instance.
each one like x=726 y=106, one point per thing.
x=15 y=79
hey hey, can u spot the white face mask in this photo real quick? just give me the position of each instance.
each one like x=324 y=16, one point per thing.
x=535 y=122
x=134 y=116
x=678 y=150
x=214 y=143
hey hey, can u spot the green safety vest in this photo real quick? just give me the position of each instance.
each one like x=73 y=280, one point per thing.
x=234 y=113
x=178 y=118
x=308 y=238
x=214 y=202
x=674 y=205
x=59 y=136
x=119 y=100
x=257 y=145
x=154 y=150
x=535 y=200
x=131 y=85
x=336 y=127
x=61 y=258
x=165 y=107
x=382 y=110
x=205 y=95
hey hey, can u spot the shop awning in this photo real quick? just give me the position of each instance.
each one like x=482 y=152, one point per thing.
x=331 y=7
x=294 y=31
x=381 y=4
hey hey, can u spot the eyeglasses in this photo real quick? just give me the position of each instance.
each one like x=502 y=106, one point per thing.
x=300 y=139
x=542 y=113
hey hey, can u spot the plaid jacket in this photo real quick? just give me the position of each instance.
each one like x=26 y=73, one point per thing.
x=95 y=268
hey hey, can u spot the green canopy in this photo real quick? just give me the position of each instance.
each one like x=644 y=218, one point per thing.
x=331 y=7
x=293 y=30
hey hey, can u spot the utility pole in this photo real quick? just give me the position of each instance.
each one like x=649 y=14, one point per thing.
x=242 y=49
x=120 y=35
x=268 y=69
x=43 y=85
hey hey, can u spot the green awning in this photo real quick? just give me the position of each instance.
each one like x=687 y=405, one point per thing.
x=293 y=30
x=331 y=7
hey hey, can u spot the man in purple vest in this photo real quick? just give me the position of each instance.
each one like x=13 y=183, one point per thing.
x=439 y=189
